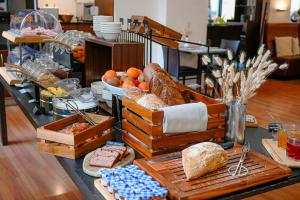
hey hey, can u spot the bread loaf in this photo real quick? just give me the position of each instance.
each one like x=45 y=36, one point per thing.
x=202 y=158
x=162 y=85
x=151 y=102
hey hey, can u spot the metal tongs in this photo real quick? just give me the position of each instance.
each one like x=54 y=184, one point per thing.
x=240 y=169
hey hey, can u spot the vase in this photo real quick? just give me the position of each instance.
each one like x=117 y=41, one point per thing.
x=235 y=122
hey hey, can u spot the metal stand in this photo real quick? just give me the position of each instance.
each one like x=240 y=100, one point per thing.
x=4 y=139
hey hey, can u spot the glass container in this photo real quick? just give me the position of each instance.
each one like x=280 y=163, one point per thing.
x=236 y=122
x=293 y=141
x=293 y=145
x=35 y=22
x=69 y=84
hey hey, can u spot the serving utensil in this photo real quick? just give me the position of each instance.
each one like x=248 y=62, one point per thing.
x=240 y=169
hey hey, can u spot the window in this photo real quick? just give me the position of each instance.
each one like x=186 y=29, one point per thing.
x=221 y=8
x=295 y=5
x=214 y=9
x=228 y=9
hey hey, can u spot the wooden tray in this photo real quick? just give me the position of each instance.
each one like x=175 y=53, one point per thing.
x=171 y=175
x=24 y=39
x=279 y=154
x=51 y=132
x=72 y=152
x=73 y=146
x=159 y=30
x=92 y=171
x=9 y=77
x=103 y=190
x=143 y=128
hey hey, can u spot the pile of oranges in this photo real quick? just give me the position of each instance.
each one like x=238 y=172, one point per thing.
x=133 y=77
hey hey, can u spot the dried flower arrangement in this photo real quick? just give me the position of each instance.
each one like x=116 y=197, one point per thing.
x=240 y=83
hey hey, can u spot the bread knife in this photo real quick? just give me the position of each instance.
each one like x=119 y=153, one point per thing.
x=226 y=145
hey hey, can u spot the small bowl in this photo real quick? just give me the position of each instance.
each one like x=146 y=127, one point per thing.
x=65 y=18
x=110 y=36
x=98 y=34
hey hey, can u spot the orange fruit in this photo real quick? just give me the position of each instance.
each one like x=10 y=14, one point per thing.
x=144 y=86
x=133 y=72
x=109 y=74
x=128 y=84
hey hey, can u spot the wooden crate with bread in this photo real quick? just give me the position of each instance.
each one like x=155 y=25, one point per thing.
x=170 y=117
x=73 y=137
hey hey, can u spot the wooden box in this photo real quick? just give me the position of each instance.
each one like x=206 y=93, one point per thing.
x=143 y=128
x=73 y=146
x=159 y=30
x=101 y=55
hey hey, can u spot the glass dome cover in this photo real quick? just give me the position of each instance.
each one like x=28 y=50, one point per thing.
x=35 y=22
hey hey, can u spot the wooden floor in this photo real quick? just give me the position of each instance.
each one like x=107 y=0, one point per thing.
x=28 y=174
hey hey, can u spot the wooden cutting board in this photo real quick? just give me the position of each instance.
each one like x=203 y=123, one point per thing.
x=103 y=190
x=171 y=175
x=92 y=171
x=279 y=154
x=9 y=77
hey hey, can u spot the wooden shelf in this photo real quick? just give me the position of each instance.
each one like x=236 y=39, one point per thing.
x=23 y=39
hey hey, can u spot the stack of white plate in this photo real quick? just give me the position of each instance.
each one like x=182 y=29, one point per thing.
x=111 y=30
x=97 y=20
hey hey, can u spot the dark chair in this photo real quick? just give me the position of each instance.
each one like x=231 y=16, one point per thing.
x=233 y=45
x=173 y=67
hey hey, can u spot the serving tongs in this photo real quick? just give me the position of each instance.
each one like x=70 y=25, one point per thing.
x=16 y=68
x=240 y=169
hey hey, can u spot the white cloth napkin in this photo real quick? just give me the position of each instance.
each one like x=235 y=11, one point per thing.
x=185 y=118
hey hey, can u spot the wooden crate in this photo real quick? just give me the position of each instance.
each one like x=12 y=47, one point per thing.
x=73 y=146
x=143 y=128
x=170 y=174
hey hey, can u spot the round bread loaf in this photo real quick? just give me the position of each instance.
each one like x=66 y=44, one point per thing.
x=202 y=158
x=162 y=85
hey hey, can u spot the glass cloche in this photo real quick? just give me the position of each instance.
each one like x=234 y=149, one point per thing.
x=35 y=22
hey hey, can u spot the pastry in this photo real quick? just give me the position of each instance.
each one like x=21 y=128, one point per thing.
x=162 y=85
x=76 y=128
x=151 y=102
x=202 y=158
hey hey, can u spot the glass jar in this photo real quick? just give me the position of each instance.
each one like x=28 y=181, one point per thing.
x=293 y=147
x=282 y=138
x=293 y=144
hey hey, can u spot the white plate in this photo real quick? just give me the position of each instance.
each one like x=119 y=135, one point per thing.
x=106 y=26
x=103 y=18
x=112 y=23
x=110 y=28
x=112 y=32
x=114 y=90
x=92 y=171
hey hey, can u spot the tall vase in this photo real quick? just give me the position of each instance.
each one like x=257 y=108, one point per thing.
x=235 y=130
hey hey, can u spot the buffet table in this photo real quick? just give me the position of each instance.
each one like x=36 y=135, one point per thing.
x=85 y=183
